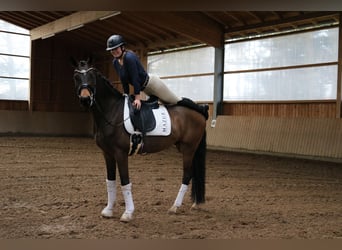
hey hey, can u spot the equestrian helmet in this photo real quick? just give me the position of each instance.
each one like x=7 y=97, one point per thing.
x=115 y=41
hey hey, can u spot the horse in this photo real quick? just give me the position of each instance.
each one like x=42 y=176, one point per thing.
x=188 y=133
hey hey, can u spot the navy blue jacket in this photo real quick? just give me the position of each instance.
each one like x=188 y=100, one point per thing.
x=131 y=72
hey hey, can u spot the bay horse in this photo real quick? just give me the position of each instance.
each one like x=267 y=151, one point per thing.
x=106 y=103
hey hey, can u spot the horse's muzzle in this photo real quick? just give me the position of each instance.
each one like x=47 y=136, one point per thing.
x=86 y=97
x=86 y=101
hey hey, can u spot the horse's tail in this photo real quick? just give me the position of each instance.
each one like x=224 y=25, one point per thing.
x=198 y=172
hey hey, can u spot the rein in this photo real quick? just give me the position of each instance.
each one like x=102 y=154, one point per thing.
x=98 y=107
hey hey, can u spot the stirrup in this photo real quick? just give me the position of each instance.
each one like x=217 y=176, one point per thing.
x=136 y=142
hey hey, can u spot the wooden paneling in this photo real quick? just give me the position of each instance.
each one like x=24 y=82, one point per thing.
x=303 y=137
x=52 y=75
x=13 y=105
x=46 y=123
x=312 y=109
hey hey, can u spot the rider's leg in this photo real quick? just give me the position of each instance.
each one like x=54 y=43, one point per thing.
x=158 y=88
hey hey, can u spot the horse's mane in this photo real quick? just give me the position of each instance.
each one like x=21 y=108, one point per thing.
x=113 y=90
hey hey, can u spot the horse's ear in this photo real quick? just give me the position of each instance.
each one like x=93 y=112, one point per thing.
x=90 y=60
x=73 y=62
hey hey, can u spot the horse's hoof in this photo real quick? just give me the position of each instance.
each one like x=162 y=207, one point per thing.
x=107 y=212
x=198 y=207
x=126 y=217
x=172 y=210
x=194 y=206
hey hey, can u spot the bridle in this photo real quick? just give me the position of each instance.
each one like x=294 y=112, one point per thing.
x=86 y=85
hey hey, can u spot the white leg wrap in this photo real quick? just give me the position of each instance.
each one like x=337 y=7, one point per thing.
x=127 y=194
x=180 y=196
x=111 y=194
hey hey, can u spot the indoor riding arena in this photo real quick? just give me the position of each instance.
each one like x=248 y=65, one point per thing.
x=272 y=80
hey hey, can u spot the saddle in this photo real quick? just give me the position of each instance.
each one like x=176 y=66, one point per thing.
x=151 y=119
x=143 y=119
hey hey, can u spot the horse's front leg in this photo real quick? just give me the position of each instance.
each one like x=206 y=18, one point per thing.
x=111 y=186
x=126 y=187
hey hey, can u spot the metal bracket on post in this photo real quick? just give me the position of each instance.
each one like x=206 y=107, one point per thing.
x=213 y=123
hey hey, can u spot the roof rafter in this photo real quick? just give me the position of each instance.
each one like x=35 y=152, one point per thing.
x=189 y=24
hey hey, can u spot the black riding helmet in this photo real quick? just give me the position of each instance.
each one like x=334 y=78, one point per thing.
x=115 y=41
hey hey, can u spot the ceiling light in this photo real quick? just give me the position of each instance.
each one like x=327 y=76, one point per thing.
x=47 y=36
x=110 y=15
x=75 y=27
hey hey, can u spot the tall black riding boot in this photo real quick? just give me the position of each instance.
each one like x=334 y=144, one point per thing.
x=203 y=109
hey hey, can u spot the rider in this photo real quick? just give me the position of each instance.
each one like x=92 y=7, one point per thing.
x=131 y=71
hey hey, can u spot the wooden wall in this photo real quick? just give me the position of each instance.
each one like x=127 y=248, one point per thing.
x=13 y=105
x=45 y=123
x=52 y=87
x=317 y=138
x=322 y=109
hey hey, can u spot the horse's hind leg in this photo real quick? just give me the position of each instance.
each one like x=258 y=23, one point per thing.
x=179 y=199
x=187 y=175
x=111 y=186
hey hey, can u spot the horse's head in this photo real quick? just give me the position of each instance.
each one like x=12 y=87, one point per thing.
x=85 y=82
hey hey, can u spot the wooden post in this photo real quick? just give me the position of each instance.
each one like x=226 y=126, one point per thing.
x=339 y=69
x=218 y=84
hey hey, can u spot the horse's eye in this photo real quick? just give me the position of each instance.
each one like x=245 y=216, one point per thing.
x=77 y=78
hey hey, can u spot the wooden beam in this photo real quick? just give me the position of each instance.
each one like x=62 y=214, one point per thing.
x=69 y=22
x=194 y=25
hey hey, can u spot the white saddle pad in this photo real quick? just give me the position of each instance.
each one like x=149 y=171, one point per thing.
x=163 y=121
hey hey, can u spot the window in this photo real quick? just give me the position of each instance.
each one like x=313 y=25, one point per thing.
x=188 y=73
x=300 y=66
x=15 y=46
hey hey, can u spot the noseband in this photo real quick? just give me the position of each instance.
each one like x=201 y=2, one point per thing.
x=86 y=85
